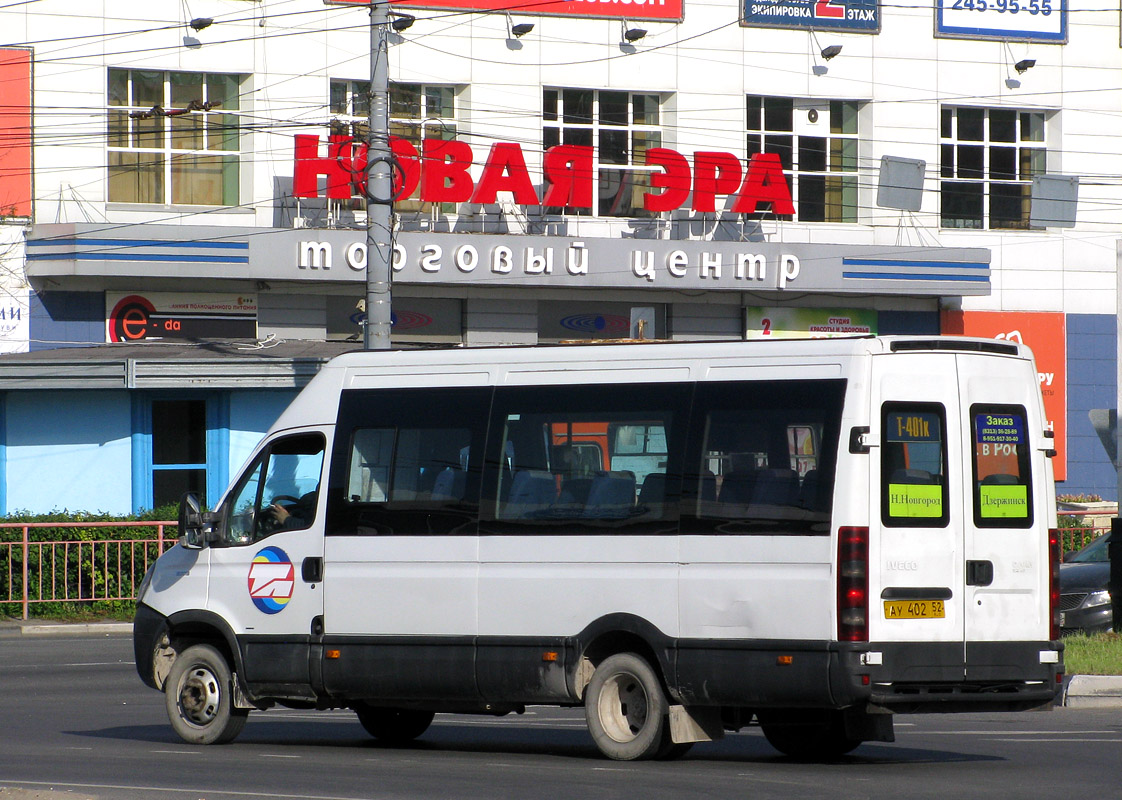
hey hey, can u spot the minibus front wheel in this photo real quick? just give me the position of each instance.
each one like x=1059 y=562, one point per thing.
x=199 y=694
x=626 y=709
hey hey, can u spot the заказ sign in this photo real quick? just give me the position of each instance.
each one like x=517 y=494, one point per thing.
x=441 y=170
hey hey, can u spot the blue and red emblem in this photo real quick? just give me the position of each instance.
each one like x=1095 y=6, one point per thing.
x=272 y=580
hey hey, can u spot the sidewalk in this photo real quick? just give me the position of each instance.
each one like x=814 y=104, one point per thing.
x=1080 y=691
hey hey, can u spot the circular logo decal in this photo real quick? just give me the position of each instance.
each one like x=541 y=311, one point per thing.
x=129 y=319
x=408 y=320
x=597 y=323
x=399 y=320
x=271 y=580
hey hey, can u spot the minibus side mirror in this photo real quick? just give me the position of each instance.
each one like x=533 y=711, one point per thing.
x=195 y=525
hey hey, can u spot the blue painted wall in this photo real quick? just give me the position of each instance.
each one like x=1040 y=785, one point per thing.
x=1091 y=383
x=85 y=451
x=66 y=319
x=251 y=414
x=68 y=450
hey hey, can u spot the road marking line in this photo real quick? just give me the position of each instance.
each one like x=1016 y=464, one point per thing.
x=1001 y=733
x=190 y=792
x=1026 y=741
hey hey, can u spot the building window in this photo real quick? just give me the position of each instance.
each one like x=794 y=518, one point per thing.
x=817 y=143
x=417 y=112
x=620 y=127
x=174 y=138
x=179 y=433
x=988 y=157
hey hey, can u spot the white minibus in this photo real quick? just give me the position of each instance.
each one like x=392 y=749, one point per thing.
x=683 y=538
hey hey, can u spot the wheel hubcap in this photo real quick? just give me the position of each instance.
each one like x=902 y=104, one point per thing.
x=199 y=696
x=623 y=707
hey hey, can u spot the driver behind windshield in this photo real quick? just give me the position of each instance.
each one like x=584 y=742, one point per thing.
x=294 y=516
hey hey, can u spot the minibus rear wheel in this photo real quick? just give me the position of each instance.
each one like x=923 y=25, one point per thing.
x=626 y=709
x=394 y=725
x=199 y=694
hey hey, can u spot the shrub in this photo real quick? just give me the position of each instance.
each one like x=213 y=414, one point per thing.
x=93 y=569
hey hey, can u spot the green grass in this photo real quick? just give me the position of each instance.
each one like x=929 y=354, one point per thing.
x=1093 y=654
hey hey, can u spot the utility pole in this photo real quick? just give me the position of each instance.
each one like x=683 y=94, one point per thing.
x=379 y=185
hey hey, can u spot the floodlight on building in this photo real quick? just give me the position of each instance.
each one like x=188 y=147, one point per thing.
x=198 y=23
x=402 y=22
x=519 y=30
x=632 y=35
x=1024 y=65
x=830 y=51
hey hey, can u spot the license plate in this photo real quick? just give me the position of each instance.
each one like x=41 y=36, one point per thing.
x=914 y=609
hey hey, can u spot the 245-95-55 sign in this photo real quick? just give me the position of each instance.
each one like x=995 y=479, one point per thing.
x=669 y=10
x=1037 y=20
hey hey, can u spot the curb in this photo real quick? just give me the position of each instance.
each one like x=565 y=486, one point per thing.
x=1093 y=691
x=67 y=629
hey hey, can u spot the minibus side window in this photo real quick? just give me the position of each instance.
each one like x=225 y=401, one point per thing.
x=409 y=466
x=278 y=492
x=914 y=466
x=408 y=462
x=763 y=456
x=586 y=459
x=1002 y=471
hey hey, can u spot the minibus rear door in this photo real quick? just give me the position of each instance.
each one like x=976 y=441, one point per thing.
x=1006 y=541
x=916 y=564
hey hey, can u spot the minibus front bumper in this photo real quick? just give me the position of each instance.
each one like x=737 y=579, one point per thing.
x=918 y=677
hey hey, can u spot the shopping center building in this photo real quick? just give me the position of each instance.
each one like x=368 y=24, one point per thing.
x=183 y=238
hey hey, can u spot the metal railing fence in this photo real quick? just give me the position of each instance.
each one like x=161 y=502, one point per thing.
x=1077 y=535
x=66 y=562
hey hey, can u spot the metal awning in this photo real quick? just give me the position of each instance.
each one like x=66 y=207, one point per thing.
x=202 y=365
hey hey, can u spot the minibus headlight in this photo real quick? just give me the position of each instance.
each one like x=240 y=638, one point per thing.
x=145 y=582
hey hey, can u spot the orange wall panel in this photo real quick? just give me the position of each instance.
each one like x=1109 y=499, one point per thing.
x=15 y=132
x=1046 y=334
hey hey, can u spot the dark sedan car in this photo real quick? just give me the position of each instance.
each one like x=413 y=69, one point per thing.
x=1085 y=590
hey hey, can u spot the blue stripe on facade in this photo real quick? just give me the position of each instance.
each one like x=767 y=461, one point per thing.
x=135 y=257
x=880 y=262
x=916 y=276
x=136 y=243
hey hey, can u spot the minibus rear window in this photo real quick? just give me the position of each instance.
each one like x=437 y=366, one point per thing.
x=914 y=466
x=1002 y=471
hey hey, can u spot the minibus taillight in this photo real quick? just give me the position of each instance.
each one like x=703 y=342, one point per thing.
x=1054 y=559
x=853 y=584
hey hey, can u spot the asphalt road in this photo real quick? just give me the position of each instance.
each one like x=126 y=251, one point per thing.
x=75 y=722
